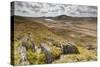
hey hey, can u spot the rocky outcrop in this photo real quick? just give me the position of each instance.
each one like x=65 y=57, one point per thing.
x=23 y=55
x=46 y=50
x=70 y=49
x=28 y=43
x=52 y=50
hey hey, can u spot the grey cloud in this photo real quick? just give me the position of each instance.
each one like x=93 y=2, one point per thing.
x=56 y=10
x=25 y=11
x=62 y=8
x=44 y=12
x=20 y=4
x=50 y=9
x=51 y=5
x=93 y=7
x=35 y=7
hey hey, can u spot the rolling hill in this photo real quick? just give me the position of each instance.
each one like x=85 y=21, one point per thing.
x=37 y=43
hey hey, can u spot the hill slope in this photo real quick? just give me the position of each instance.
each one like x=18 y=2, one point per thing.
x=35 y=43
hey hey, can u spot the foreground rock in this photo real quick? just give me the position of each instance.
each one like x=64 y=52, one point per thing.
x=70 y=49
x=23 y=55
x=46 y=49
x=46 y=52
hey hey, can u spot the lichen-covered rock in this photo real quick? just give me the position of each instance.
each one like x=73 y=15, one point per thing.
x=47 y=51
x=66 y=47
x=23 y=55
x=70 y=49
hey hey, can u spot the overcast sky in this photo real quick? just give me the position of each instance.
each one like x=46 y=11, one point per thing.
x=33 y=9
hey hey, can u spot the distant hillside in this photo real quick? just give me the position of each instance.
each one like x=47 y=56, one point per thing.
x=64 y=17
